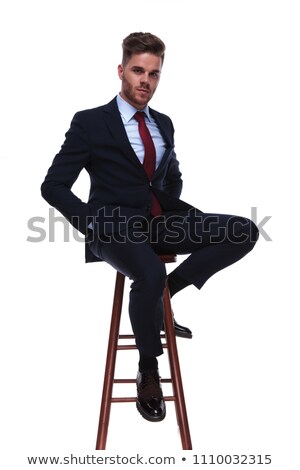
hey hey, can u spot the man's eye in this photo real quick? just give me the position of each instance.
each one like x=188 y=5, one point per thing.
x=137 y=70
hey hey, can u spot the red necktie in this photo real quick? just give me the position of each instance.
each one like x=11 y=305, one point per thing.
x=149 y=157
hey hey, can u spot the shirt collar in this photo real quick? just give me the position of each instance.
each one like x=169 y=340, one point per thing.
x=128 y=111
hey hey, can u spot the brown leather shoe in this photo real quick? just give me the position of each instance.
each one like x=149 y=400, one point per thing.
x=150 y=401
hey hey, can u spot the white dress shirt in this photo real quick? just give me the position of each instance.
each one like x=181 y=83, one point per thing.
x=127 y=111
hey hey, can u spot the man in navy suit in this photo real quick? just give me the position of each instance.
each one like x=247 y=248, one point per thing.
x=134 y=210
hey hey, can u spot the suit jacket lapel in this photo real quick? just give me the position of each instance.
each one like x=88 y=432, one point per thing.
x=166 y=135
x=164 y=131
x=117 y=130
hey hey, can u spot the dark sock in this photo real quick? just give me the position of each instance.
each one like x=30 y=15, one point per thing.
x=176 y=283
x=147 y=362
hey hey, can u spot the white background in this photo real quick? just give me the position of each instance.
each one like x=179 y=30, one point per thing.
x=230 y=83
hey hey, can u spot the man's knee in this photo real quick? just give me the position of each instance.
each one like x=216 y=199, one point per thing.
x=242 y=230
x=152 y=277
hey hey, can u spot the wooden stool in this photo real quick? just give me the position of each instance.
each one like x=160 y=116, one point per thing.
x=113 y=347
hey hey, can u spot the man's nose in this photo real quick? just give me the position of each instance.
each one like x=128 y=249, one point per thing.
x=145 y=78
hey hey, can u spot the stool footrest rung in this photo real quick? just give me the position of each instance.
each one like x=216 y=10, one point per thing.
x=133 y=399
x=132 y=336
x=132 y=381
x=126 y=347
x=123 y=399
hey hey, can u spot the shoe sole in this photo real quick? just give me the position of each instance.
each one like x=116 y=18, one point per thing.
x=182 y=335
x=147 y=417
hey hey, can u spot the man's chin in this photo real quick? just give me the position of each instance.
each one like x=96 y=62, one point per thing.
x=140 y=104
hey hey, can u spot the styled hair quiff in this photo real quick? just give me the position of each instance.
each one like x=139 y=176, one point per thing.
x=138 y=43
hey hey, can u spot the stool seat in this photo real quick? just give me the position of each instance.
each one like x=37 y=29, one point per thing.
x=114 y=346
x=168 y=258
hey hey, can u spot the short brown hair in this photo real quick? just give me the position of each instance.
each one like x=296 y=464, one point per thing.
x=137 y=43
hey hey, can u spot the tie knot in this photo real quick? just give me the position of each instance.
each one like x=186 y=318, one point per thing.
x=139 y=116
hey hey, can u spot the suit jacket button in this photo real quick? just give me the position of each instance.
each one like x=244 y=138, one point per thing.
x=150 y=184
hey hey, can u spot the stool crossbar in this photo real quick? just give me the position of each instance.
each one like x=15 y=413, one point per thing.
x=114 y=346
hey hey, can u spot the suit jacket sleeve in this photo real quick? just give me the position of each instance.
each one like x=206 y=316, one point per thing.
x=173 y=180
x=67 y=164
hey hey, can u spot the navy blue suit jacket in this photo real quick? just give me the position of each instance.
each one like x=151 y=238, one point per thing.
x=97 y=141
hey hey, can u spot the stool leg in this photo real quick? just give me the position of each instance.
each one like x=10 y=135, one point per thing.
x=181 y=412
x=110 y=363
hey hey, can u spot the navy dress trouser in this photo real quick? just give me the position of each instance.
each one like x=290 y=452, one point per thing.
x=213 y=242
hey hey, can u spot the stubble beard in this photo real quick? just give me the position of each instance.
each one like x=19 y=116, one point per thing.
x=129 y=92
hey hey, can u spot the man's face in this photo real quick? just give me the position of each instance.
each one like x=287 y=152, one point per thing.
x=140 y=78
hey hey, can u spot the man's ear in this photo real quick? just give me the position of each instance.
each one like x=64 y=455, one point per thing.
x=120 y=71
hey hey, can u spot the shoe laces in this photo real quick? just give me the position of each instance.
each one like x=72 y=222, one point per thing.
x=150 y=386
